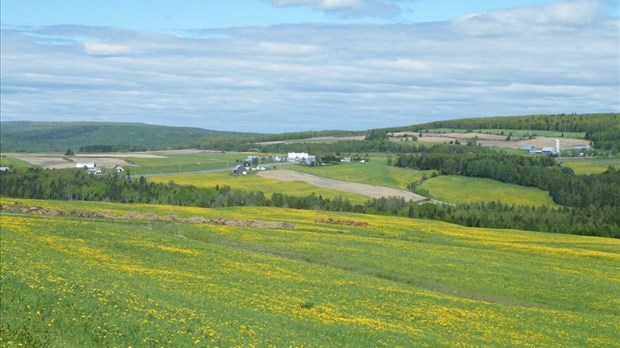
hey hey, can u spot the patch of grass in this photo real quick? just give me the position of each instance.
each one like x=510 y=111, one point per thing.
x=180 y=163
x=590 y=165
x=461 y=189
x=400 y=282
x=13 y=163
x=254 y=182
x=375 y=172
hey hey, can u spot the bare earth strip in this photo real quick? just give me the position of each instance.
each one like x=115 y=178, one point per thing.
x=51 y=161
x=362 y=189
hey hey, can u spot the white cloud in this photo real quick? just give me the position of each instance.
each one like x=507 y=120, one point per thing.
x=99 y=48
x=319 y=76
x=561 y=15
x=286 y=48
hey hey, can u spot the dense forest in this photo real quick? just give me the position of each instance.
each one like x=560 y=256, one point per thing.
x=59 y=136
x=74 y=184
x=542 y=172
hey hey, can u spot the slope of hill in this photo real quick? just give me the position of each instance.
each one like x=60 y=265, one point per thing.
x=96 y=136
x=602 y=129
x=103 y=274
x=462 y=190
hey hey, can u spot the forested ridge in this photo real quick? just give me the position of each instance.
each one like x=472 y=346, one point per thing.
x=74 y=184
x=97 y=136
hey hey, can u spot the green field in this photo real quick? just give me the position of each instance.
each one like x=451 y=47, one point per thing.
x=374 y=172
x=461 y=189
x=144 y=281
x=181 y=163
x=13 y=163
x=590 y=165
x=254 y=182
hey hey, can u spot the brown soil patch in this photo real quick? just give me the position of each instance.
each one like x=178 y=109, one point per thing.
x=332 y=221
x=314 y=140
x=18 y=207
x=58 y=162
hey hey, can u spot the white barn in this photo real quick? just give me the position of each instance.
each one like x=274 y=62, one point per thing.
x=86 y=165
x=297 y=156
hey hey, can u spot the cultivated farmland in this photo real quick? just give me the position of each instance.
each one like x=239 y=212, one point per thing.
x=102 y=274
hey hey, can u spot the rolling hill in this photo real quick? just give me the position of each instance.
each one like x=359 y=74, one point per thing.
x=104 y=274
x=59 y=136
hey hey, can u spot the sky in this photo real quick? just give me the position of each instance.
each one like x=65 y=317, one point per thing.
x=274 y=66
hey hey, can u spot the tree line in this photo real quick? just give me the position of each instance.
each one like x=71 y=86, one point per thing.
x=71 y=184
x=564 y=187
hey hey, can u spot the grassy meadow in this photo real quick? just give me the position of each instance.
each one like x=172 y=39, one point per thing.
x=13 y=163
x=180 y=163
x=143 y=281
x=376 y=172
x=590 y=165
x=461 y=190
x=254 y=182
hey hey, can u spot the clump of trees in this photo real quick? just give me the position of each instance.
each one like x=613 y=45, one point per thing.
x=78 y=185
x=543 y=172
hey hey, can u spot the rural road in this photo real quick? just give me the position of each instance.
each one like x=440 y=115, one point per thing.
x=362 y=189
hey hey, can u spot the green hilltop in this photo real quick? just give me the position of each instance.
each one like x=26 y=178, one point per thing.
x=24 y=136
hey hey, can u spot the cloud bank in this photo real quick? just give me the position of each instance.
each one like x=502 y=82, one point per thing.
x=557 y=58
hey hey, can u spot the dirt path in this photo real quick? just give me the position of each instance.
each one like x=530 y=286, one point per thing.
x=362 y=189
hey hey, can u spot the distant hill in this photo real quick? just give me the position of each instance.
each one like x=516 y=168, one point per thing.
x=24 y=136
x=603 y=129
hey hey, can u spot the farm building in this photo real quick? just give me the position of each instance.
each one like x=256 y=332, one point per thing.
x=528 y=148
x=119 y=169
x=240 y=169
x=96 y=170
x=582 y=148
x=4 y=169
x=549 y=150
x=86 y=165
x=310 y=160
x=297 y=156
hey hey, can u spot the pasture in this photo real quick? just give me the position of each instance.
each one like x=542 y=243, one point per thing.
x=13 y=163
x=140 y=163
x=587 y=166
x=374 y=172
x=181 y=162
x=460 y=190
x=141 y=280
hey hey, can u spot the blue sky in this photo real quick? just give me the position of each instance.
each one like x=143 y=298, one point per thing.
x=290 y=65
x=191 y=14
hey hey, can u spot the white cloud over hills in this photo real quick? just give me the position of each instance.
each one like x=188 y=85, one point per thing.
x=556 y=58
